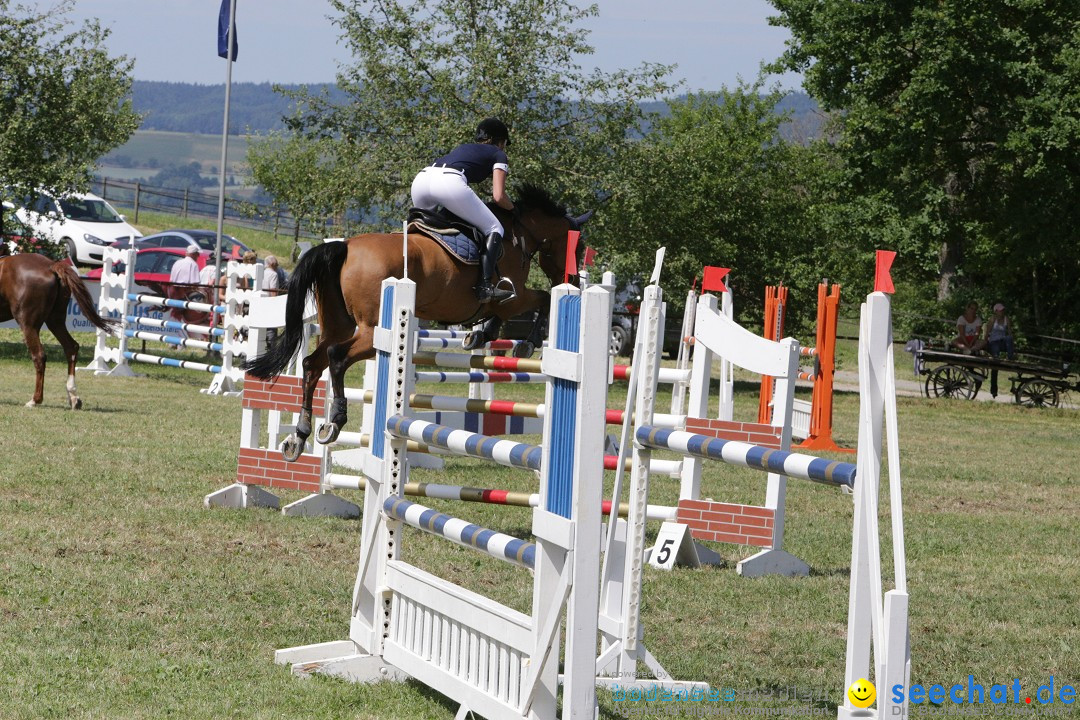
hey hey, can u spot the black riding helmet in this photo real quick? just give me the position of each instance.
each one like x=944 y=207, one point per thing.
x=492 y=130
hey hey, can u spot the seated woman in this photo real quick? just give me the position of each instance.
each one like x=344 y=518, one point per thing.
x=969 y=338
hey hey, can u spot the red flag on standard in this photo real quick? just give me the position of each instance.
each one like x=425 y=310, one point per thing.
x=572 y=237
x=590 y=256
x=713 y=279
x=882 y=272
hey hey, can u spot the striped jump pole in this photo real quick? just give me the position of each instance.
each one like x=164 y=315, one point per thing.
x=487 y=496
x=174 y=325
x=670 y=468
x=503 y=452
x=478 y=362
x=441 y=333
x=171 y=362
x=428 y=343
x=479 y=376
x=797 y=465
x=529 y=365
x=158 y=301
x=466 y=534
x=449 y=403
x=173 y=340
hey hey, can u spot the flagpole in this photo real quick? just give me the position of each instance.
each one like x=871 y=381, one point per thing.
x=224 y=145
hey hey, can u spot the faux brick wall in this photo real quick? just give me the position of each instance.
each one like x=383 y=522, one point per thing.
x=283 y=394
x=258 y=466
x=727 y=522
x=754 y=433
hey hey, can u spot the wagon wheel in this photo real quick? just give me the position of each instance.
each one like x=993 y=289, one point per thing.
x=1037 y=393
x=950 y=381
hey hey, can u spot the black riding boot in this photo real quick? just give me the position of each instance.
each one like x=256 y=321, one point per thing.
x=485 y=291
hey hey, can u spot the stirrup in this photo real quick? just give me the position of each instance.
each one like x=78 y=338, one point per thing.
x=509 y=288
x=486 y=292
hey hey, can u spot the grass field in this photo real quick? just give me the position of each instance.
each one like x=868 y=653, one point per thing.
x=123 y=598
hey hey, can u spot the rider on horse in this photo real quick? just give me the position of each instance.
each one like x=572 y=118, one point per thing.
x=446 y=182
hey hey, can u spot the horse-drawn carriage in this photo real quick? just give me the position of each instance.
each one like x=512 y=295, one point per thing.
x=1035 y=381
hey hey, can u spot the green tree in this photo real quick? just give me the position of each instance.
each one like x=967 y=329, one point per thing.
x=63 y=100
x=715 y=185
x=306 y=175
x=426 y=72
x=964 y=115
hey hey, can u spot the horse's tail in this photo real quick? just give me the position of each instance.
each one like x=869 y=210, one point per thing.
x=319 y=270
x=70 y=281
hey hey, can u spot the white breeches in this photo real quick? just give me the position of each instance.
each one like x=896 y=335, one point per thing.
x=448 y=187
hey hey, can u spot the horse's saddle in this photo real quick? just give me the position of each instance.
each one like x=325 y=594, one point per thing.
x=455 y=235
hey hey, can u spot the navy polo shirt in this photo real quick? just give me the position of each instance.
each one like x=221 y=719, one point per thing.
x=476 y=160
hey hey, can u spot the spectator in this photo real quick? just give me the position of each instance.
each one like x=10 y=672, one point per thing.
x=282 y=275
x=182 y=279
x=999 y=337
x=250 y=258
x=208 y=276
x=969 y=330
x=999 y=334
x=185 y=271
x=270 y=278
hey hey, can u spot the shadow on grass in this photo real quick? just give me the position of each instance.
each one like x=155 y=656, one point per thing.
x=831 y=572
x=18 y=351
x=60 y=403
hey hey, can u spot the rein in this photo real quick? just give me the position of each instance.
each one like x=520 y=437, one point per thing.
x=541 y=247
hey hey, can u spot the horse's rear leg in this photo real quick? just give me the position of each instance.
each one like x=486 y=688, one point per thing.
x=314 y=364
x=342 y=356
x=58 y=325
x=32 y=335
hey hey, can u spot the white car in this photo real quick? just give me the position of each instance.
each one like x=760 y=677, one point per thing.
x=85 y=224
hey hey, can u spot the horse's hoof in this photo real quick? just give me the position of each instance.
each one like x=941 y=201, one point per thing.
x=77 y=405
x=328 y=433
x=524 y=349
x=31 y=404
x=473 y=341
x=291 y=447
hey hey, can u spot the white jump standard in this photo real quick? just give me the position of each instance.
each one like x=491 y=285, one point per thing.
x=490 y=658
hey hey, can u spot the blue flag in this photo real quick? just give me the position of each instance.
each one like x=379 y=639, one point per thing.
x=223 y=32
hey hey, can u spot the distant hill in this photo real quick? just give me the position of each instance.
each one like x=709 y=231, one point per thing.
x=182 y=126
x=190 y=108
x=804 y=123
x=255 y=107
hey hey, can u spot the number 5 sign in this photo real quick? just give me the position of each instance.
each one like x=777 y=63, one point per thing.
x=674 y=546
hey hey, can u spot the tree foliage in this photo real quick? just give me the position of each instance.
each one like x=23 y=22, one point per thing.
x=425 y=72
x=715 y=185
x=63 y=100
x=964 y=117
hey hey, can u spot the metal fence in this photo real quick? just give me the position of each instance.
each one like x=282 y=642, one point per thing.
x=139 y=197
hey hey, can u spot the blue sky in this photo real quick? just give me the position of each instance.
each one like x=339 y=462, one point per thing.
x=292 y=41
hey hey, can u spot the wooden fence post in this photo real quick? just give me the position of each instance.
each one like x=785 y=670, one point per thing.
x=138 y=193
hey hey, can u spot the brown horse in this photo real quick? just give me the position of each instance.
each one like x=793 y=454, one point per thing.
x=347 y=276
x=35 y=291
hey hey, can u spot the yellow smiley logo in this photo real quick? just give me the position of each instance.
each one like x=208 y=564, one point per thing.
x=862 y=693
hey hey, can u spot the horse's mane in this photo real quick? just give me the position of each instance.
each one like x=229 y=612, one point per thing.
x=533 y=197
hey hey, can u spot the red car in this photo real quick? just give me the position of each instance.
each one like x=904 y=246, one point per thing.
x=152 y=268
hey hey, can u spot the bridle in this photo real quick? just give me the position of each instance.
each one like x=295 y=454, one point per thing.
x=540 y=246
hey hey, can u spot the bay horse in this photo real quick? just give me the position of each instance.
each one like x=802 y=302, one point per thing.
x=34 y=290
x=346 y=278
